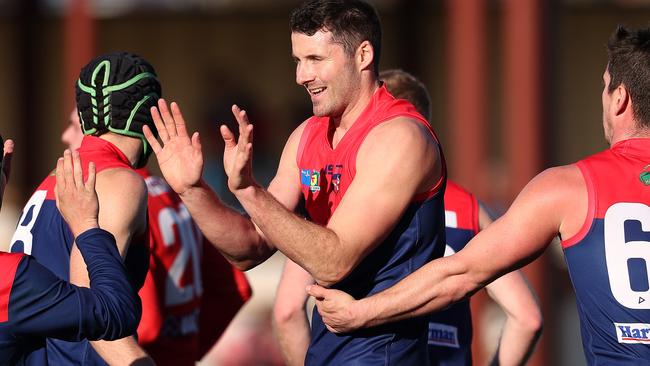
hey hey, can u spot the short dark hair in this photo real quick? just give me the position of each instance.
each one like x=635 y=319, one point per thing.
x=629 y=64
x=403 y=85
x=350 y=21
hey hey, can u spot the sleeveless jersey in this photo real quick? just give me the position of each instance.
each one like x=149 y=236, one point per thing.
x=35 y=303
x=609 y=258
x=450 y=330
x=42 y=233
x=325 y=175
x=173 y=289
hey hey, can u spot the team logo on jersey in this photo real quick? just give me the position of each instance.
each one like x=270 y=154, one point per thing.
x=644 y=177
x=443 y=335
x=311 y=179
x=633 y=332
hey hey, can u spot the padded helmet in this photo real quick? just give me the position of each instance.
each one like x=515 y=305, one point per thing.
x=114 y=93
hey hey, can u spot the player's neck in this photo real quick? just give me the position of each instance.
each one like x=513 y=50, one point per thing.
x=131 y=147
x=357 y=105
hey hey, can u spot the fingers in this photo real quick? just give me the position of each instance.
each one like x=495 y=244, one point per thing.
x=8 y=153
x=76 y=170
x=151 y=139
x=228 y=137
x=316 y=291
x=90 y=183
x=60 y=180
x=67 y=169
x=167 y=118
x=158 y=122
x=196 y=141
x=245 y=128
x=179 y=121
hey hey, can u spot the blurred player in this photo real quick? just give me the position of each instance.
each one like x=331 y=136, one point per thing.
x=114 y=92
x=345 y=164
x=191 y=293
x=450 y=330
x=34 y=303
x=598 y=206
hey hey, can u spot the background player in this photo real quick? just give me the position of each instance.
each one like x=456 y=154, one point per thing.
x=191 y=293
x=114 y=92
x=34 y=303
x=598 y=206
x=450 y=330
x=346 y=165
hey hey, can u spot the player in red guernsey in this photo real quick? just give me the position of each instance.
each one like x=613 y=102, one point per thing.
x=35 y=303
x=369 y=168
x=450 y=331
x=600 y=207
x=190 y=293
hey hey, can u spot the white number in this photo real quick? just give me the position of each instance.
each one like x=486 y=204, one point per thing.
x=451 y=221
x=168 y=218
x=23 y=231
x=618 y=252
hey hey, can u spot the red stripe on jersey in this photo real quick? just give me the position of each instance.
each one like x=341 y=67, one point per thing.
x=8 y=263
x=591 y=210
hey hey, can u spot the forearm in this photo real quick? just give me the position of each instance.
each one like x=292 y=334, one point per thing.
x=111 y=308
x=125 y=351
x=232 y=233
x=431 y=288
x=297 y=238
x=292 y=333
x=516 y=344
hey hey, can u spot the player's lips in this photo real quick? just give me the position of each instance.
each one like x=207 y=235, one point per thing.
x=315 y=91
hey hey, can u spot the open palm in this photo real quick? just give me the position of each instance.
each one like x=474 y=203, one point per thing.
x=180 y=157
x=238 y=154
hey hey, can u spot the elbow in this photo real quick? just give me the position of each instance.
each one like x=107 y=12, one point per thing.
x=125 y=318
x=331 y=276
x=533 y=323
x=286 y=313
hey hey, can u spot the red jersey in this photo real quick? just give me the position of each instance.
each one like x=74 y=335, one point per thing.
x=325 y=175
x=172 y=294
x=609 y=258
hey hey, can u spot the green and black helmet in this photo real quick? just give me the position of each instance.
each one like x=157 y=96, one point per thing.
x=114 y=93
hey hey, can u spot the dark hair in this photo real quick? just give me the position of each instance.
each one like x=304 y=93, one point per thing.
x=403 y=85
x=629 y=64
x=350 y=21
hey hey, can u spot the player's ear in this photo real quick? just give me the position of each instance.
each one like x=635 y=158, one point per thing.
x=621 y=99
x=365 y=55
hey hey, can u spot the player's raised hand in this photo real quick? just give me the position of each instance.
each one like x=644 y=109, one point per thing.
x=337 y=309
x=238 y=154
x=76 y=199
x=180 y=157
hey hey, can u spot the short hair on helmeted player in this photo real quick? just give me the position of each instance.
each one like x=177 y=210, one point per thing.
x=350 y=21
x=629 y=64
x=403 y=85
x=114 y=94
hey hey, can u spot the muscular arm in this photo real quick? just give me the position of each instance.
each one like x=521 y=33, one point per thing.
x=523 y=324
x=537 y=215
x=290 y=319
x=385 y=183
x=122 y=211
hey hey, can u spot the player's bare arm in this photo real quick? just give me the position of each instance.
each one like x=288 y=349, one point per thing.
x=523 y=324
x=289 y=317
x=535 y=217
x=181 y=162
x=123 y=213
x=385 y=183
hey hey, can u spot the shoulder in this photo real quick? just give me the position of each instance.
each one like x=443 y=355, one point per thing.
x=121 y=186
x=401 y=134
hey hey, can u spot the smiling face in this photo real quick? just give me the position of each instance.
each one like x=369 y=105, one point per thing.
x=327 y=72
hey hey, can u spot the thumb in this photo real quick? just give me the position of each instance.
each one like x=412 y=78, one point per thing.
x=317 y=292
x=228 y=137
